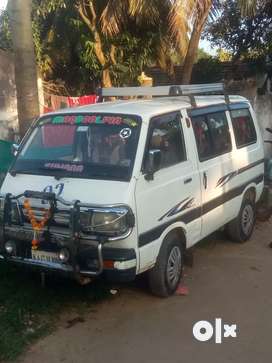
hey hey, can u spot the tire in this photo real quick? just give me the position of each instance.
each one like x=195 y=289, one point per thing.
x=165 y=276
x=241 y=228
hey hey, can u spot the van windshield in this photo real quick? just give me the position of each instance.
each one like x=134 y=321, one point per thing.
x=101 y=146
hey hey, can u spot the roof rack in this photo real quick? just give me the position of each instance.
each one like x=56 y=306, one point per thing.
x=162 y=91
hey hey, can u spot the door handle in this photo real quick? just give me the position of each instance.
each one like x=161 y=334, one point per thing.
x=205 y=180
x=187 y=181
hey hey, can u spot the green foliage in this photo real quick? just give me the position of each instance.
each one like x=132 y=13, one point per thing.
x=60 y=40
x=201 y=54
x=132 y=56
x=5 y=36
x=224 y=55
x=65 y=46
x=45 y=7
x=207 y=70
x=244 y=37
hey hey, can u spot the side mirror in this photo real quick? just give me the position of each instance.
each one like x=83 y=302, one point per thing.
x=15 y=148
x=269 y=130
x=153 y=163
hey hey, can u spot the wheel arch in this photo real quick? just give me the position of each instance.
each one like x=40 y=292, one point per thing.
x=250 y=193
x=177 y=231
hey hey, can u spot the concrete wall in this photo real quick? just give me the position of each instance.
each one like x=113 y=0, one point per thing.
x=8 y=107
x=261 y=104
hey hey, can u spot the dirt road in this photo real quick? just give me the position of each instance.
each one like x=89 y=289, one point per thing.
x=228 y=281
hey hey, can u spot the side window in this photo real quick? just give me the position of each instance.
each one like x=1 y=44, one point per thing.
x=167 y=136
x=212 y=135
x=220 y=133
x=203 y=137
x=243 y=127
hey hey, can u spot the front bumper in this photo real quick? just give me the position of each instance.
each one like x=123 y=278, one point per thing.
x=89 y=255
x=122 y=264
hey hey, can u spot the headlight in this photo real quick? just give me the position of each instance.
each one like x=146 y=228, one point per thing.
x=110 y=222
x=64 y=255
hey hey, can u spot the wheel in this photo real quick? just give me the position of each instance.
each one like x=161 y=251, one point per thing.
x=167 y=272
x=241 y=228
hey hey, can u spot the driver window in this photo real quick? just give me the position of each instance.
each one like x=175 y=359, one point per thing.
x=167 y=136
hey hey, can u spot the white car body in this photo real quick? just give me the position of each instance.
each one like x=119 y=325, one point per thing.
x=192 y=197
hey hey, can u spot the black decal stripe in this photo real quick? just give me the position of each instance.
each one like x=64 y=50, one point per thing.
x=233 y=193
x=252 y=165
x=181 y=208
x=225 y=179
x=155 y=233
x=173 y=210
x=222 y=181
x=232 y=175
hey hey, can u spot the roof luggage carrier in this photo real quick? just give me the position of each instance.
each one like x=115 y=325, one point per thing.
x=165 y=91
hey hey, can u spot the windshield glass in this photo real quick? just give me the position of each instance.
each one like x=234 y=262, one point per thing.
x=99 y=146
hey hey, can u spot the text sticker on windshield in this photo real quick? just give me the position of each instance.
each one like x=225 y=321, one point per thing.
x=125 y=133
x=107 y=120
x=93 y=119
x=66 y=167
x=58 y=120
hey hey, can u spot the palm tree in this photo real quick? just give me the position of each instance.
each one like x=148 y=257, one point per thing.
x=25 y=65
x=200 y=11
x=179 y=14
x=107 y=18
x=249 y=7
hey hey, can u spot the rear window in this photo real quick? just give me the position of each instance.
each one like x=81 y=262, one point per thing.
x=243 y=127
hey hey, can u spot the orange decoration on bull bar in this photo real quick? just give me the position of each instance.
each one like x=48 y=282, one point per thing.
x=36 y=225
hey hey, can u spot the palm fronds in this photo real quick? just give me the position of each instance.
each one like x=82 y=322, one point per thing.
x=248 y=7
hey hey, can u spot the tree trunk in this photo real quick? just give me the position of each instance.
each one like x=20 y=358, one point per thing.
x=89 y=18
x=25 y=64
x=193 y=46
x=106 y=78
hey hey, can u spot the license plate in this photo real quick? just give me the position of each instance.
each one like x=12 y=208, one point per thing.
x=43 y=256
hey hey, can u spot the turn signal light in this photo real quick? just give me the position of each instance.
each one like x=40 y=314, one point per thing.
x=108 y=264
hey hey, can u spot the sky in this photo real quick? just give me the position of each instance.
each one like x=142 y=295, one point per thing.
x=3 y=4
x=206 y=45
x=203 y=44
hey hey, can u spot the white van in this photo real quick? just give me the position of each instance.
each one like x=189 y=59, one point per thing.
x=120 y=188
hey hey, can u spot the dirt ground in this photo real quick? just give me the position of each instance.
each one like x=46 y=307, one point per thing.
x=228 y=281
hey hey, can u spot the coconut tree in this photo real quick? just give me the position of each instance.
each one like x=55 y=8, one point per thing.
x=25 y=65
x=107 y=19
x=249 y=7
x=199 y=12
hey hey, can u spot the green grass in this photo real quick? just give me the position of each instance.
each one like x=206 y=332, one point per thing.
x=28 y=311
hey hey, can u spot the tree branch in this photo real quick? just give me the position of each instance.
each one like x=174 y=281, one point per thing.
x=112 y=54
x=91 y=6
x=84 y=15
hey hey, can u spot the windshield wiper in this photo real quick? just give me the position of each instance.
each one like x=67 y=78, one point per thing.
x=50 y=169
x=64 y=172
x=38 y=171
